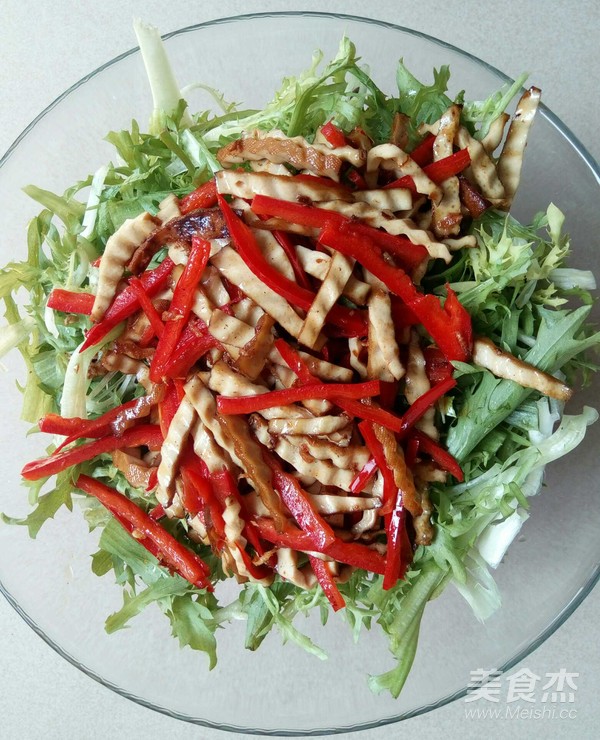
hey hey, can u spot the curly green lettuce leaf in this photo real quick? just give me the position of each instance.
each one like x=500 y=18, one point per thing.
x=480 y=114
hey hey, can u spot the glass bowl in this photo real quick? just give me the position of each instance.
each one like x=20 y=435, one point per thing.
x=280 y=690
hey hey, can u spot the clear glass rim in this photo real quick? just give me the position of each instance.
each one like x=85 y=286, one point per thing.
x=558 y=620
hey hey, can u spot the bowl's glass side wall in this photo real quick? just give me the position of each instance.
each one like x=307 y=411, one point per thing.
x=282 y=688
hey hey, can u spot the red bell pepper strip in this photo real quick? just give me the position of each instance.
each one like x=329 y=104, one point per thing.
x=411 y=452
x=411 y=255
x=295 y=362
x=405 y=182
x=173 y=553
x=402 y=315
x=295 y=213
x=454 y=344
x=69 y=301
x=152 y=480
x=258 y=572
x=194 y=492
x=437 y=171
x=199 y=495
x=143 y=434
x=356 y=179
x=389 y=393
x=126 y=303
x=299 y=505
x=361 y=479
x=355 y=408
x=203 y=197
x=447 y=167
x=111 y=422
x=371 y=413
x=194 y=342
x=181 y=305
x=376 y=449
x=334 y=135
x=350 y=553
x=286 y=244
x=393 y=498
x=399 y=552
x=328 y=391
x=422 y=154
x=144 y=541
x=157 y=512
x=147 y=306
x=148 y=336
x=459 y=322
x=437 y=367
x=441 y=456
x=168 y=406
x=420 y=406
x=352 y=322
x=327 y=583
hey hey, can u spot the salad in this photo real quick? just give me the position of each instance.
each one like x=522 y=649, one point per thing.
x=306 y=348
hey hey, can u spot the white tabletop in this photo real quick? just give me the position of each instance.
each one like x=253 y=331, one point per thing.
x=46 y=47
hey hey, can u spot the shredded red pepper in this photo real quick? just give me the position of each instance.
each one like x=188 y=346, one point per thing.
x=334 y=135
x=181 y=305
x=327 y=583
x=376 y=449
x=350 y=553
x=195 y=341
x=294 y=361
x=456 y=345
x=399 y=551
x=299 y=505
x=143 y=434
x=354 y=323
x=437 y=367
x=157 y=512
x=422 y=154
x=168 y=406
x=361 y=479
x=114 y=421
x=126 y=303
x=152 y=481
x=371 y=413
x=437 y=171
x=286 y=244
x=147 y=306
x=424 y=402
x=356 y=179
x=69 y=301
x=199 y=494
x=329 y=391
x=185 y=562
x=203 y=197
x=441 y=456
x=411 y=255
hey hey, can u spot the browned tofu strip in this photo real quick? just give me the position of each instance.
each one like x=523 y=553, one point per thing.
x=504 y=365
x=511 y=159
x=447 y=213
x=119 y=249
x=296 y=152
